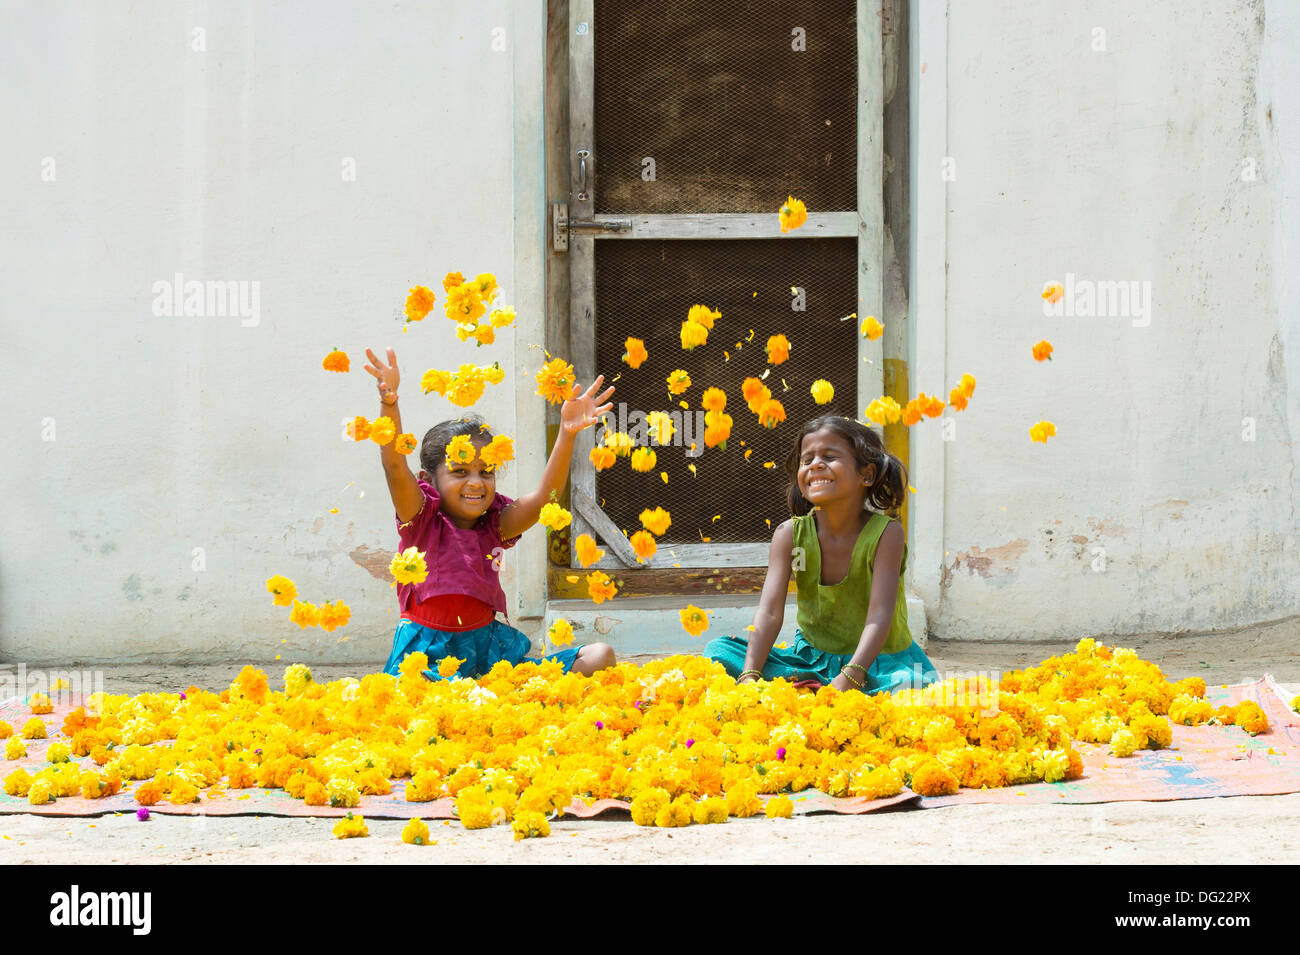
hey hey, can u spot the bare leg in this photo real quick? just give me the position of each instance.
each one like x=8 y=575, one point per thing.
x=592 y=657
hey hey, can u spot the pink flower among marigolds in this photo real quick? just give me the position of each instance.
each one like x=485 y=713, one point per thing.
x=142 y=813
x=780 y=752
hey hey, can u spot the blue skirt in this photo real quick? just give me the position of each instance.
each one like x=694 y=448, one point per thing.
x=907 y=669
x=481 y=648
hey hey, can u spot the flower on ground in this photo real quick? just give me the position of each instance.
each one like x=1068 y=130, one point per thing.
x=351 y=827
x=779 y=807
x=415 y=833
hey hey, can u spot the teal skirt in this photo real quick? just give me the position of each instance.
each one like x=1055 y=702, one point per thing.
x=907 y=669
x=481 y=648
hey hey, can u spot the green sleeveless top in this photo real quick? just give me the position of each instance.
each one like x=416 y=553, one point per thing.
x=833 y=617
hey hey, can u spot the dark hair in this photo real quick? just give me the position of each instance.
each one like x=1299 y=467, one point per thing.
x=886 y=493
x=433 y=449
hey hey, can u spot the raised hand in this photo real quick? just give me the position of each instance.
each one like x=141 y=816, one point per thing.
x=386 y=374
x=582 y=410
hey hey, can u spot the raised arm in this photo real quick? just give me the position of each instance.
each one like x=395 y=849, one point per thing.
x=402 y=486
x=885 y=569
x=771 y=605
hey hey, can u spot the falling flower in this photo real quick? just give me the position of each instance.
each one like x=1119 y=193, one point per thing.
x=464 y=304
x=717 y=428
x=931 y=406
x=771 y=413
x=351 y=827
x=404 y=444
x=502 y=317
x=883 y=411
x=655 y=521
x=957 y=398
x=451 y=280
x=643 y=543
x=1043 y=351
x=693 y=334
x=336 y=361
x=619 y=442
x=419 y=302
x=703 y=315
x=335 y=615
x=714 y=399
x=911 y=413
x=305 y=614
x=1042 y=431
x=498 y=451
x=600 y=587
x=359 y=428
x=635 y=352
x=793 y=214
x=283 y=589
x=554 y=516
x=382 y=430
x=602 y=457
x=822 y=391
x=643 y=459
x=448 y=666
x=560 y=633
x=586 y=550
x=678 y=382
x=871 y=328
x=555 y=381
x=661 y=427
x=694 y=620
x=435 y=381
x=409 y=567
x=778 y=349
x=1053 y=291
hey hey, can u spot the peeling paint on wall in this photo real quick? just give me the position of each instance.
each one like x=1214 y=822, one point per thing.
x=373 y=561
x=986 y=563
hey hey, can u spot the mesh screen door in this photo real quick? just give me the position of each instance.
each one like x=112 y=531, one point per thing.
x=690 y=123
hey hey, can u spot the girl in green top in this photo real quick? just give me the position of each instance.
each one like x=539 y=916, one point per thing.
x=846 y=556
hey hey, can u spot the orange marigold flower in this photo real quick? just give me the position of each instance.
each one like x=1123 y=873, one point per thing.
x=778 y=349
x=451 y=280
x=382 y=430
x=147 y=794
x=678 y=382
x=419 y=303
x=359 y=428
x=602 y=457
x=1053 y=291
x=335 y=615
x=498 y=451
x=635 y=353
x=1042 y=431
x=643 y=543
x=1251 y=717
x=305 y=614
x=404 y=443
x=586 y=550
x=336 y=361
x=555 y=381
x=1043 y=351
x=694 y=620
x=957 y=399
x=911 y=413
x=931 y=405
x=793 y=214
x=714 y=399
x=933 y=778
x=703 y=315
x=656 y=521
x=771 y=414
x=717 y=428
x=600 y=587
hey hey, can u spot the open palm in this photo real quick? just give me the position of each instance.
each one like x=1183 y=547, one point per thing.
x=582 y=408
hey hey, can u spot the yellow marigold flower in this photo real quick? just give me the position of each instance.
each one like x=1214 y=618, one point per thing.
x=494 y=373
x=58 y=752
x=554 y=516
x=714 y=399
x=883 y=411
x=656 y=521
x=717 y=429
x=933 y=778
x=619 y=442
x=351 y=827
x=871 y=328
x=408 y=566
x=528 y=825
x=40 y=703
x=503 y=317
x=5 y=730
x=643 y=459
x=484 y=334
x=19 y=782
x=660 y=426
x=602 y=457
x=473 y=808
x=40 y=793
x=644 y=545
x=586 y=550
x=703 y=315
x=771 y=413
x=1055 y=765
x=336 y=361
x=1042 y=431
x=14 y=748
x=464 y=304
x=1251 y=717
x=283 y=590
x=560 y=632
x=678 y=382
x=779 y=807
x=679 y=812
x=297 y=677
x=448 y=666
x=646 y=805
x=34 y=728
x=1053 y=291
x=460 y=450
x=333 y=616
x=359 y=428
x=693 y=334
x=1123 y=743
x=822 y=391
x=404 y=443
x=466 y=386
x=711 y=811
x=498 y=451
x=415 y=833
x=957 y=399
x=419 y=303
x=382 y=430
x=793 y=214
x=485 y=286
x=555 y=381
x=451 y=280
x=343 y=792
x=778 y=349
x=694 y=620
x=967 y=385
x=181 y=794
x=600 y=587
x=435 y=381
x=635 y=352
x=305 y=614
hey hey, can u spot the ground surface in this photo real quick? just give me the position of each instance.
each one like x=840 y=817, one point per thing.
x=1243 y=829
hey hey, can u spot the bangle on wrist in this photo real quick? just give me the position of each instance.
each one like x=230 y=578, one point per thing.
x=844 y=672
x=745 y=673
x=857 y=666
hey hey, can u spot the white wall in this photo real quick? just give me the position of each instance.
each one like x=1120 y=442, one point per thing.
x=175 y=433
x=1117 y=164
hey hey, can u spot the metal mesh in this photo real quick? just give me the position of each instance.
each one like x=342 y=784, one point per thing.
x=644 y=289
x=733 y=118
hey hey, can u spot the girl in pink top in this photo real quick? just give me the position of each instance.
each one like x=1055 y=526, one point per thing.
x=454 y=515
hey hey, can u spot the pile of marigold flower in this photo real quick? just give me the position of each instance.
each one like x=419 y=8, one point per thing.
x=678 y=738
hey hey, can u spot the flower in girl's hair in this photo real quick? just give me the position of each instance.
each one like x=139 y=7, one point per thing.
x=587 y=551
x=656 y=521
x=678 y=382
x=778 y=349
x=643 y=543
x=619 y=442
x=351 y=827
x=404 y=443
x=1053 y=291
x=335 y=615
x=822 y=391
x=554 y=516
x=498 y=451
x=416 y=833
x=448 y=666
x=643 y=459
x=283 y=589
x=693 y=333
x=464 y=304
x=602 y=457
x=336 y=361
x=1042 y=431
x=460 y=450
x=600 y=587
x=635 y=352
x=560 y=632
x=408 y=567
x=555 y=381
x=359 y=428
x=793 y=214
x=502 y=317
x=771 y=414
x=382 y=430
x=714 y=399
x=703 y=315
x=694 y=620
x=304 y=614
x=1043 y=351
x=871 y=328
x=451 y=280
x=660 y=426
x=419 y=303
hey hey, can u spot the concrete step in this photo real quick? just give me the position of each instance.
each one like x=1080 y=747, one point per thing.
x=651 y=625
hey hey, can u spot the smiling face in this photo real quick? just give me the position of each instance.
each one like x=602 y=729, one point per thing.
x=466 y=490
x=827 y=469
